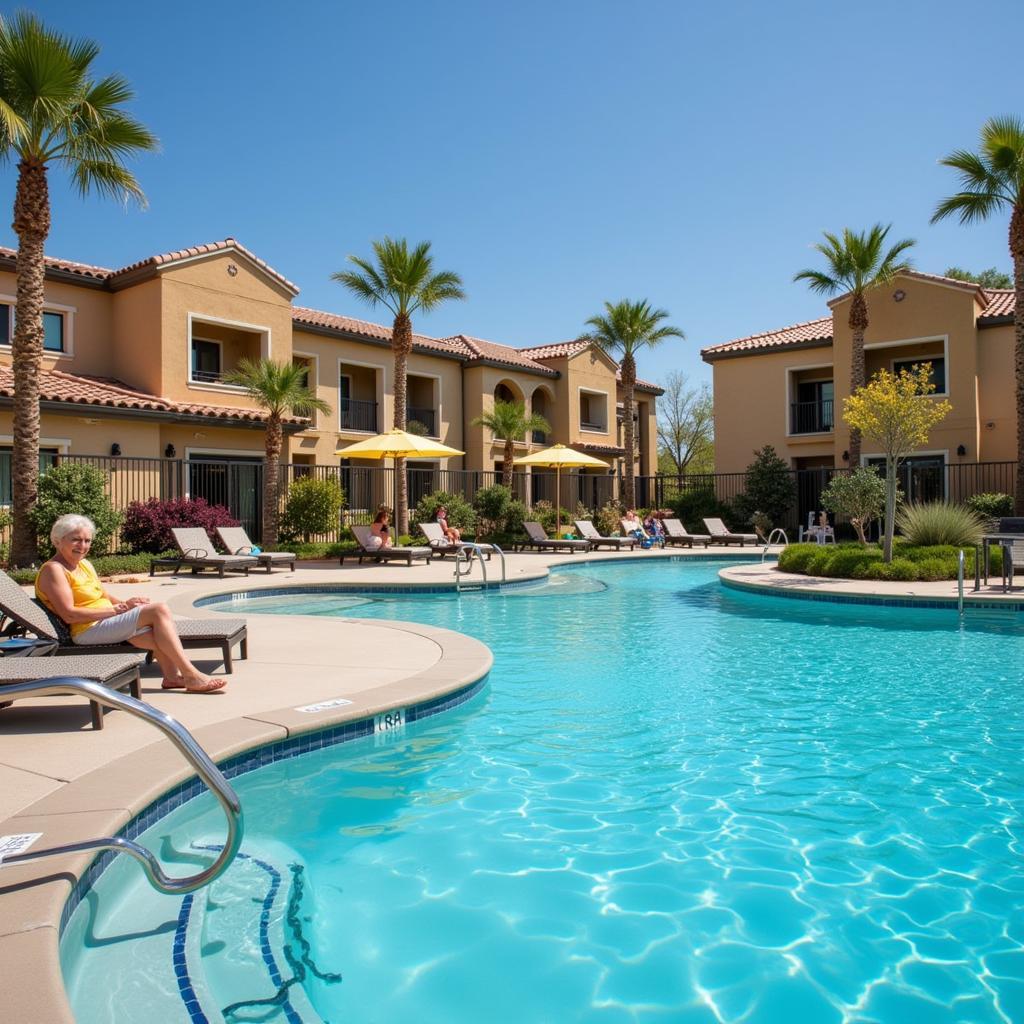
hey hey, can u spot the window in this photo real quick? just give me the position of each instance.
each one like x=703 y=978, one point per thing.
x=938 y=374
x=47 y=458
x=53 y=328
x=593 y=411
x=53 y=332
x=205 y=361
x=812 y=412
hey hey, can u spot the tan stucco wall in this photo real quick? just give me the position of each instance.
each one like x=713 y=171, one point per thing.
x=136 y=336
x=137 y=438
x=591 y=370
x=997 y=414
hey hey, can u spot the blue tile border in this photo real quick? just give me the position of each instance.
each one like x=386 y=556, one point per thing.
x=250 y=760
x=939 y=603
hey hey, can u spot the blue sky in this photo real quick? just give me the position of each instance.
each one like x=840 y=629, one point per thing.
x=556 y=154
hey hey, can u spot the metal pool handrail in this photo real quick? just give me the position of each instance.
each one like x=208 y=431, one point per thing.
x=190 y=749
x=768 y=542
x=467 y=547
x=960 y=583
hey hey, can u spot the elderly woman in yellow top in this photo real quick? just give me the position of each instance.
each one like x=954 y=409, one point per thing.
x=68 y=585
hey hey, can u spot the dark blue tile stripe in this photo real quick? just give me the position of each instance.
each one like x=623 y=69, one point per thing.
x=249 y=761
x=188 y=993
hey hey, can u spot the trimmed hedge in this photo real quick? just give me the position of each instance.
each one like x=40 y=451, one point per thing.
x=853 y=562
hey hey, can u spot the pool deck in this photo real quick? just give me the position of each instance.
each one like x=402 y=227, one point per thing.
x=61 y=778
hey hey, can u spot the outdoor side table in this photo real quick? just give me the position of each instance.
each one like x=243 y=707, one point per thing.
x=1002 y=539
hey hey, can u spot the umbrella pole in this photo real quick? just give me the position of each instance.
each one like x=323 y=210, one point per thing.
x=558 y=502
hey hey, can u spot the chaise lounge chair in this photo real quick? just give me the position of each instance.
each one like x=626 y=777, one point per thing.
x=29 y=615
x=393 y=554
x=588 y=531
x=116 y=671
x=196 y=550
x=441 y=545
x=720 y=534
x=539 y=540
x=676 y=533
x=236 y=540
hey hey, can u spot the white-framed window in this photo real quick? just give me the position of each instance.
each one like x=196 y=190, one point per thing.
x=593 y=411
x=938 y=370
x=57 y=326
x=311 y=365
x=206 y=363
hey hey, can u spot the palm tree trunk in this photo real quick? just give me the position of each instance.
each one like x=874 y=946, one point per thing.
x=272 y=480
x=32 y=225
x=628 y=390
x=858 y=325
x=401 y=344
x=506 y=466
x=1017 y=251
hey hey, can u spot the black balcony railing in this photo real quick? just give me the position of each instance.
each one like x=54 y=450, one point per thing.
x=810 y=417
x=356 y=415
x=208 y=376
x=425 y=416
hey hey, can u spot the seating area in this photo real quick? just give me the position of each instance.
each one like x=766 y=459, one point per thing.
x=720 y=534
x=366 y=550
x=588 y=531
x=538 y=540
x=237 y=542
x=197 y=552
x=442 y=546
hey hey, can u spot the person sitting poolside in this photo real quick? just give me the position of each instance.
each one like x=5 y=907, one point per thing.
x=450 y=533
x=68 y=585
x=654 y=529
x=380 y=531
x=631 y=523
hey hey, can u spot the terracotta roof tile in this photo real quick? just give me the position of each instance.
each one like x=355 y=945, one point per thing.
x=555 y=351
x=1000 y=303
x=350 y=325
x=80 y=389
x=494 y=352
x=70 y=266
x=225 y=245
x=810 y=331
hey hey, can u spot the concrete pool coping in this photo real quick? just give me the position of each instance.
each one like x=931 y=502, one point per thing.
x=79 y=784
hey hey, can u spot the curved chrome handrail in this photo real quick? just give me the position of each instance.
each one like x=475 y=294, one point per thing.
x=960 y=583
x=768 y=542
x=193 y=753
x=469 y=546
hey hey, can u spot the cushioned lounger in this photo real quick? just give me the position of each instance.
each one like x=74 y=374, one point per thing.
x=676 y=533
x=236 y=540
x=116 y=671
x=442 y=546
x=720 y=534
x=195 y=634
x=539 y=540
x=196 y=552
x=588 y=531
x=362 y=535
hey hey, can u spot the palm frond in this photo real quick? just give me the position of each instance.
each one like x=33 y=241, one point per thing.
x=818 y=282
x=106 y=178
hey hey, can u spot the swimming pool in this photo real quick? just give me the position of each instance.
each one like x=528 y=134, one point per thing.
x=675 y=802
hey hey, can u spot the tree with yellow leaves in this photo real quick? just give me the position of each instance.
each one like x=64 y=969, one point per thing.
x=896 y=412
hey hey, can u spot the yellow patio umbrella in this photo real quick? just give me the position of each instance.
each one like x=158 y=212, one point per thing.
x=398 y=444
x=555 y=457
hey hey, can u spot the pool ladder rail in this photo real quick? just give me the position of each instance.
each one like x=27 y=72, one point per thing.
x=469 y=549
x=193 y=753
x=768 y=543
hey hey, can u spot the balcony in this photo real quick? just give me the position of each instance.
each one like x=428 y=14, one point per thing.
x=422 y=415
x=539 y=437
x=810 y=417
x=356 y=415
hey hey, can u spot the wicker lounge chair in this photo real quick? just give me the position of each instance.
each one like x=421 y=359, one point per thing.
x=196 y=551
x=720 y=534
x=393 y=554
x=676 y=533
x=441 y=545
x=588 y=531
x=27 y=614
x=236 y=540
x=117 y=671
x=539 y=540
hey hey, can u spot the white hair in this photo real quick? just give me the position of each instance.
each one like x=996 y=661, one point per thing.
x=68 y=524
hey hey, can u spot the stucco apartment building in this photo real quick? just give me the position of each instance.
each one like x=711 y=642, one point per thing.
x=786 y=387
x=135 y=359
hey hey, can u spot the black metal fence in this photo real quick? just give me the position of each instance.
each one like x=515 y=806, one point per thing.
x=237 y=483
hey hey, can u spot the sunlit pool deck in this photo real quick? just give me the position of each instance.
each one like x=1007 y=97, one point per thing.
x=60 y=778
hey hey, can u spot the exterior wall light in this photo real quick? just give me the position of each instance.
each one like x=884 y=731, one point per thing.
x=169 y=452
x=961 y=450
x=115 y=449
x=846 y=456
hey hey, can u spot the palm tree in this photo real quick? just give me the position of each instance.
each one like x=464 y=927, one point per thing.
x=856 y=263
x=280 y=389
x=624 y=329
x=52 y=111
x=404 y=282
x=990 y=180
x=508 y=420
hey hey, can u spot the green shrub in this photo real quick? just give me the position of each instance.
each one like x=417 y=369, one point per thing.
x=691 y=507
x=461 y=514
x=74 y=488
x=991 y=505
x=851 y=561
x=544 y=513
x=770 y=488
x=939 y=522
x=515 y=515
x=608 y=519
x=491 y=505
x=796 y=557
x=313 y=505
x=858 y=496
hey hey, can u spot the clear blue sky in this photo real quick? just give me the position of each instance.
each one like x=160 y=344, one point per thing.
x=556 y=154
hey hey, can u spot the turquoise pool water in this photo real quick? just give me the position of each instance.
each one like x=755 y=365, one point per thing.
x=674 y=803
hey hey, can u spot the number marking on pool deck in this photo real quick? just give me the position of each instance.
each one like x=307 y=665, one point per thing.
x=324 y=705
x=10 y=845
x=388 y=725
